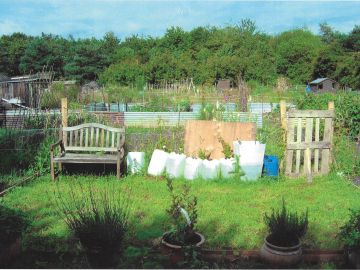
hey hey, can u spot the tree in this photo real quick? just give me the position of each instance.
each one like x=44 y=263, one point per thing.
x=12 y=48
x=88 y=62
x=296 y=51
x=352 y=41
x=45 y=51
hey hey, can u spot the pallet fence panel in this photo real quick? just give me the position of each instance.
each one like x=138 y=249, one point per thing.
x=298 y=140
x=290 y=153
x=311 y=150
x=316 y=151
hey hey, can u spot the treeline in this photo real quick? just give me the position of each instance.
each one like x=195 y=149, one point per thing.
x=204 y=54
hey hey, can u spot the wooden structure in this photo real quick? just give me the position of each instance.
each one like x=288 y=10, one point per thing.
x=204 y=135
x=322 y=85
x=89 y=143
x=309 y=142
x=223 y=85
x=28 y=89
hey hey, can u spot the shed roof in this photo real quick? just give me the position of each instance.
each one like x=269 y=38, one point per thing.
x=320 y=80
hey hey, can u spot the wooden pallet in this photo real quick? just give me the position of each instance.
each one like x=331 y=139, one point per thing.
x=309 y=142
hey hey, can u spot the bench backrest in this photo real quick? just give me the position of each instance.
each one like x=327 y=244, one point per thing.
x=93 y=137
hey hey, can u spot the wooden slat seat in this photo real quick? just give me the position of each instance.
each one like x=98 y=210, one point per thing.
x=86 y=158
x=81 y=144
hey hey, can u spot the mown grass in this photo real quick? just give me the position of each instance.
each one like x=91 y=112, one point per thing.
x=230 y=212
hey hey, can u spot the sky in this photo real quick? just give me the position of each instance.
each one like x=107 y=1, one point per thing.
x=93 y=18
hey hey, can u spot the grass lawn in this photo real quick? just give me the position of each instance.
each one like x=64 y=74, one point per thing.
x=230 y=212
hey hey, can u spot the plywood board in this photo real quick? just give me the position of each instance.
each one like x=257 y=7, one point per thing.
x=204 y=135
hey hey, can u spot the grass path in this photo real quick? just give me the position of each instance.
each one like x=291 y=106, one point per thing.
x=230 y=212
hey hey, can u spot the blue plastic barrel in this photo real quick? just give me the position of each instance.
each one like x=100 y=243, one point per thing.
x=271 y=165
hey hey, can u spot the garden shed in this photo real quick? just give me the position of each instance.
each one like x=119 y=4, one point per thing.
x=321 y=85
x=28 y=88
x=223 y=84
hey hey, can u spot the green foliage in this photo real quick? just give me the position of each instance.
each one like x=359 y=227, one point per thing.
x=210 y=111
x=204 y=155
x=45 y=51
x=89 y=61
x=204 y=54
x=296 y=51
x=347 y=160
x=12 y=49
x=227 y=151
x=21 y=148
x=286 y=228
x=347 y=109
x=350 y=231
x=182 y=232
x=12 y=224
x=52 y=98
x=100 y=220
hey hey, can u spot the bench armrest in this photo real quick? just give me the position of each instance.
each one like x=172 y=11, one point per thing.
x=58 y=143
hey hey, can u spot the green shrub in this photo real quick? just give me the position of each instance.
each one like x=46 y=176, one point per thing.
x=350 y=232
x=100 y=219
x=182 y=232
x=286 y=228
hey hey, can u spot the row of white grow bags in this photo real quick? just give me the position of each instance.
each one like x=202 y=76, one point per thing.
x=250 y=153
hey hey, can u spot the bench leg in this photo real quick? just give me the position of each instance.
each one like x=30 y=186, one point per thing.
x=118 y=169
x=52 y=170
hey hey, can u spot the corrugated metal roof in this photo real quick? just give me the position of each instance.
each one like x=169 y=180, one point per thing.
x=320 y=80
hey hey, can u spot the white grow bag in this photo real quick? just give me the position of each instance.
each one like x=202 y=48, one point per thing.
x=210 y=169
x=227 y=167
x=157 y=162
x=251 y=158
x=192 y=168
x=175 y=165
x=135 y=162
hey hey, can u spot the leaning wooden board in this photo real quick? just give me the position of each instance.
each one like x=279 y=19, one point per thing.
x=204 y=135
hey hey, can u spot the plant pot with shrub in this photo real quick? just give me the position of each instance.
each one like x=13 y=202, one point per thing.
x=350 y=234
x=182 y=237
x=99 y=220
x=282 y=245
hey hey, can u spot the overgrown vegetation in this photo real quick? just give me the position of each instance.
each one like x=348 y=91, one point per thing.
x=347 y=109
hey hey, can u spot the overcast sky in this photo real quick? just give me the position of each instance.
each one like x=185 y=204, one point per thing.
x=87 y=18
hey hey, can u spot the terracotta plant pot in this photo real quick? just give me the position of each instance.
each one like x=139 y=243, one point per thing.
x=175 y=252
x=281 y=256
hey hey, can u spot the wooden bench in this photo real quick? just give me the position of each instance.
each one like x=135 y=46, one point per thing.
x=89 y=143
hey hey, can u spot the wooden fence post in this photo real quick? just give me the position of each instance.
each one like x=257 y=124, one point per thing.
x=64 y=112
x=283 y=113
x=331 y=105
